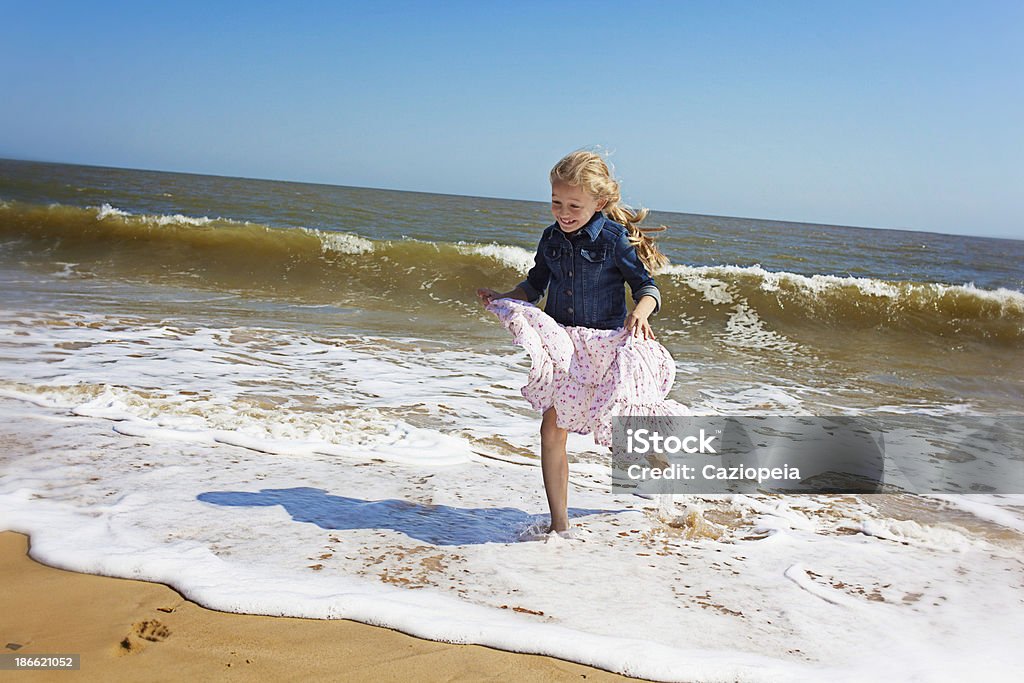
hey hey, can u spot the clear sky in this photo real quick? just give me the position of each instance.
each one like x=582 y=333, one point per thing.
x=877 y=114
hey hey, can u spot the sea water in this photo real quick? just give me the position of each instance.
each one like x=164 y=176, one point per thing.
x=284 y=399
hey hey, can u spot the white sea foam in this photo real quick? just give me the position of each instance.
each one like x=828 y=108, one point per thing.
x=708 y=281
x=180 y=219
x=775 y=398
x=67 y=271
x=433 y=552
x=715 y=291
x=1004 y=510
x=341 y=242
x=107 y=211
x=210 y=388
x=931 y=409
x=907 y=530
x=202 y=458
x=745 y=328
x=513 y=257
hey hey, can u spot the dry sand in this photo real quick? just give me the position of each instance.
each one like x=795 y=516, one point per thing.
x=134 y=630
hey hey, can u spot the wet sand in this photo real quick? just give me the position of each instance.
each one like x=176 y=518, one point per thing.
x=136 y=630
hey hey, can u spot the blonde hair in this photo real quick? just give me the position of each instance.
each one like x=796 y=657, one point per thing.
x=589 y=171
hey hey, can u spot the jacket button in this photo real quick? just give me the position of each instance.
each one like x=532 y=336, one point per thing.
x=568 y=292
x=570 y=310
x=570 y=273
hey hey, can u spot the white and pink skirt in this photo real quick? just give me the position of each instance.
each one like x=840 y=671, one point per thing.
x=588 y=375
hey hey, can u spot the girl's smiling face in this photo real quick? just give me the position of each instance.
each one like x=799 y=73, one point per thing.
x=572 y=206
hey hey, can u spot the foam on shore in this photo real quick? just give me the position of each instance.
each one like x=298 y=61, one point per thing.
x=391 y=480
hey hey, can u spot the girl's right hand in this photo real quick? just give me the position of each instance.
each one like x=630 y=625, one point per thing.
x=487 y=295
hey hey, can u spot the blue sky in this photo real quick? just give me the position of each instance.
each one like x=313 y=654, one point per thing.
x=879 y=114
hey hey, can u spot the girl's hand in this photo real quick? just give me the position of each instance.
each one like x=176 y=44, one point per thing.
x=637 y=325
x=487 y=295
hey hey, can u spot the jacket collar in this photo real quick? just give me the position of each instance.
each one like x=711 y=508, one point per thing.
x=592 y=228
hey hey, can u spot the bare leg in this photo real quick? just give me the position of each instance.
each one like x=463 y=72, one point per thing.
x=554 y=465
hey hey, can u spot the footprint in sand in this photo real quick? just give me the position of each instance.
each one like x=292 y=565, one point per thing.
x=151 y=630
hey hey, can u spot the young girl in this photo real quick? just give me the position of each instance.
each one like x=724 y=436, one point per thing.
x=591 y=360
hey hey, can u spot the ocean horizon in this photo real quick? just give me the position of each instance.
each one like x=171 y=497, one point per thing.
x=792 y=221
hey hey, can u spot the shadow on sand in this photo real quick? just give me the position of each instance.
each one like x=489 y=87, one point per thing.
x=434 y=524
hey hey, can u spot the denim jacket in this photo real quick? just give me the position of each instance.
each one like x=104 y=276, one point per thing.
x=584 y=275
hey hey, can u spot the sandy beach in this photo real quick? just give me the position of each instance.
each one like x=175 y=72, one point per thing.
x=132 y=630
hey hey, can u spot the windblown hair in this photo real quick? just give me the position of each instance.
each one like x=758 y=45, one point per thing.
x=589 y=171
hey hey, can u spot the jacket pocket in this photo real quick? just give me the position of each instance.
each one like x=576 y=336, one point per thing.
x=594 y=255
x=553 y=256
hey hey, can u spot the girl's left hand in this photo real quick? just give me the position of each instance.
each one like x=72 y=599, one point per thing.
x=638 y=326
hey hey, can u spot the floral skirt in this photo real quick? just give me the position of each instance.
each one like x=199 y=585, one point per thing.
x=588 y=375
